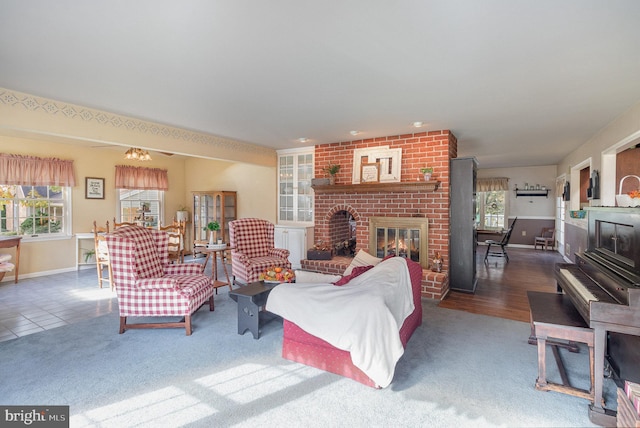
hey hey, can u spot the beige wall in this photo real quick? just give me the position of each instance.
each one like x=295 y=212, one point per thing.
x=527 y=207
x=96 y=141
x=256 y=187
x=621 y=133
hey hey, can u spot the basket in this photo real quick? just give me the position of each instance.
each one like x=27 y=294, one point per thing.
x=623 y=200
x=578 y=214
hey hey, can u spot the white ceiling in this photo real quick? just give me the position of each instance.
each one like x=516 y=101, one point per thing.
x=520 y=83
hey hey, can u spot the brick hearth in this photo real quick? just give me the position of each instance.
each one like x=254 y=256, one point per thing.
x=434 y=149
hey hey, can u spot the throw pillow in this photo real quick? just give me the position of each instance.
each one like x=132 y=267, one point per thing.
x=356 y=271
x=362 y=259
x=303 y=276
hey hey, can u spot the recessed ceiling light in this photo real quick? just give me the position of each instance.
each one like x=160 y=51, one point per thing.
x=303 y=140
x=418 y=124
x=354 y=132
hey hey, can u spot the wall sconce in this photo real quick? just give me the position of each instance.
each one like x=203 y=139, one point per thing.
x=137 y=154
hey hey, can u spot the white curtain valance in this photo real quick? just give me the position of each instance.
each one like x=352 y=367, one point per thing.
x=490 y=184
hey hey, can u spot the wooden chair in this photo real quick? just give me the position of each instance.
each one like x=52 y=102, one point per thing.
x=176 y=232
x=124 y=223
x=502 y=244
x=547 y=239
x=102 y=254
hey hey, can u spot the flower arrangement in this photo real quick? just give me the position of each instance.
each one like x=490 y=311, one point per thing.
x=277 y=274
x=427 y=170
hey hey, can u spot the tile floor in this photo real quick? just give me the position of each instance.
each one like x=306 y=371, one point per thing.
x=43 y=303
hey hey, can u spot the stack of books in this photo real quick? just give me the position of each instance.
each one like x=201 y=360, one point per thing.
x=629 y=405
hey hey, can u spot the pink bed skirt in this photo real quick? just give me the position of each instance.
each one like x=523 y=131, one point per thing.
x=302 y=347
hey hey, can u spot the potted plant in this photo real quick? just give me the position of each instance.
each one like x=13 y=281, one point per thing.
x=332 y=169
x=88 y=254
x=427 y=172
x=213 y=227
x=182 y=214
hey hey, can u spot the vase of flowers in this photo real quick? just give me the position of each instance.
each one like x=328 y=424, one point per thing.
x=427 y=172
x=213 y=227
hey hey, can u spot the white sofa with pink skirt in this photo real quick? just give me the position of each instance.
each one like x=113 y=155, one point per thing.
x=358 y=327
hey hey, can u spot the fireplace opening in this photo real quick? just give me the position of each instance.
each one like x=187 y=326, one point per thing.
x=404 y=237
x=342 y=227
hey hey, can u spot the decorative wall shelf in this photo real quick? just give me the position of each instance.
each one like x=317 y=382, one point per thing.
x=418 y=186
x=532 y=192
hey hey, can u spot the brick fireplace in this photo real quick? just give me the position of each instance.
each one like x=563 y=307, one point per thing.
x=411 y=197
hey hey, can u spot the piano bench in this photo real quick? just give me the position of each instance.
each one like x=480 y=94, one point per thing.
x=553 y=316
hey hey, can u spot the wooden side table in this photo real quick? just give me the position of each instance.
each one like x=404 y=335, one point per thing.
x=9 y=242
x=212 y=253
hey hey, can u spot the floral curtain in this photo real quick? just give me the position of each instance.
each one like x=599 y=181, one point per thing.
x=136 y=177
x=34 y=171
x=492 y=184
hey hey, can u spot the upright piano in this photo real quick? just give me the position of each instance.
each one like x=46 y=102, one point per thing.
x=604 y=286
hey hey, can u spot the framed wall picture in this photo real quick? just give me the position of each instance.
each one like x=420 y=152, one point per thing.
x=370 y=172
x=94 y=188
x=389 y=160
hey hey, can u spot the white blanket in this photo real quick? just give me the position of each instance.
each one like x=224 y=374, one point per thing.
x=362 y=317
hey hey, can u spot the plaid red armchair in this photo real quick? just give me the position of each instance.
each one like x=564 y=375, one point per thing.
x=148 y=286
x=252 y=249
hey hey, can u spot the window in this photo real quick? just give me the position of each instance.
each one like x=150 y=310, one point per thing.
x=295 y=196
x=490 y=210
x=144 y=207
x=35 y=211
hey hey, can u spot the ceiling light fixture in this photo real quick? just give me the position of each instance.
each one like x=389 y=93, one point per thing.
x=418 y=124
x=303 y=139
x=137 y=154
x=354 y=133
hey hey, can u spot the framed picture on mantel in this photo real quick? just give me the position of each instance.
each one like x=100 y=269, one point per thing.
x=370 y=172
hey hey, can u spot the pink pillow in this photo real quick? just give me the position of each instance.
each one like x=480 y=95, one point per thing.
x=357 y=271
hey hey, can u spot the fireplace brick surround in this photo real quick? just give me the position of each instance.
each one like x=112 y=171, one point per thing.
x=434 y=148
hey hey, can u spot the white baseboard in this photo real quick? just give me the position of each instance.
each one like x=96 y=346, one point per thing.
x=10 y=276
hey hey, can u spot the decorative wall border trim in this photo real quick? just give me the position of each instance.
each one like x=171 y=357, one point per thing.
x=70 y=111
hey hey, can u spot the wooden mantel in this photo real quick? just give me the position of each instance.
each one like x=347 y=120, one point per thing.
x=409 y=186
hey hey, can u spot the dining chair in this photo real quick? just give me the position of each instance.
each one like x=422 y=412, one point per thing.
x=499 y=247
x=176 y=232
x=102 y=254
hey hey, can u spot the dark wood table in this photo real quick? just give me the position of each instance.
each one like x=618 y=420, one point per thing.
x=9 y=242
x=251 y=300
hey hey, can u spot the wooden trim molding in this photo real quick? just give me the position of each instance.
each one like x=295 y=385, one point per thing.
x=418 y=186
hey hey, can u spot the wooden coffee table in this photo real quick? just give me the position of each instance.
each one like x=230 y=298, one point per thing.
x=251 y=300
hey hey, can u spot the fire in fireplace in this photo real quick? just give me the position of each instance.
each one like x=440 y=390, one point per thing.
x=404 y=237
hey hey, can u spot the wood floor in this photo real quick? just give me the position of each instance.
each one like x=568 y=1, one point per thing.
x=502 y=287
